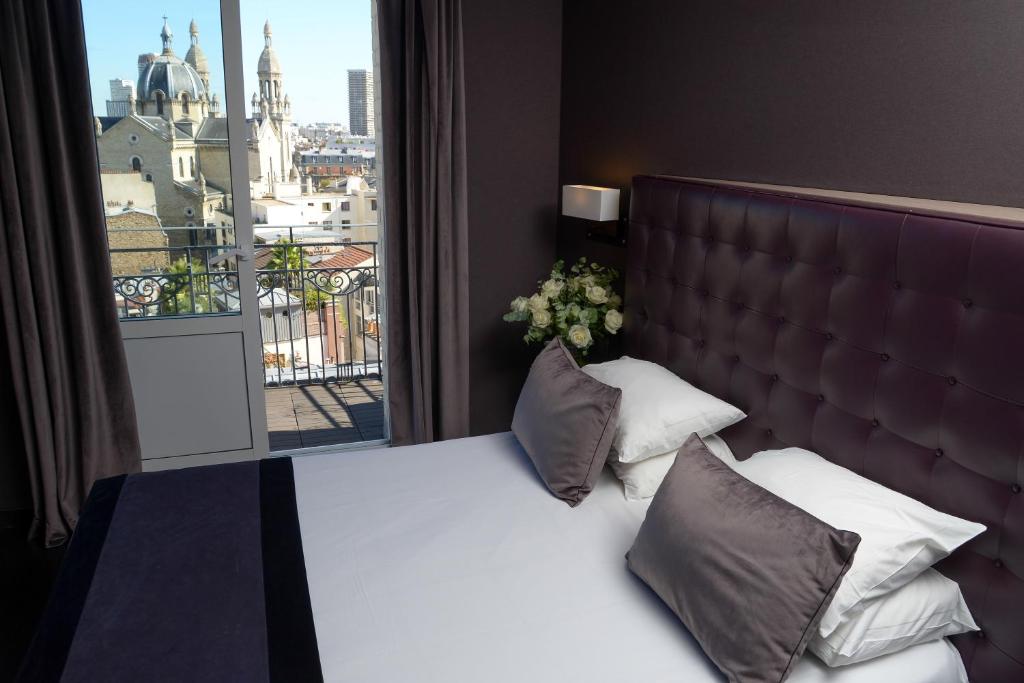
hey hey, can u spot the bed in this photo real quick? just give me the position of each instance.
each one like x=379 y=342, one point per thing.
x=451 y=562
x=436 y=563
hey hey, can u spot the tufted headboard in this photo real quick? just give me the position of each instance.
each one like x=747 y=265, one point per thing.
x=889 y=342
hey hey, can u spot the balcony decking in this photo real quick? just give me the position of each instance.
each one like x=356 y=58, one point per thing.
x=320 y=415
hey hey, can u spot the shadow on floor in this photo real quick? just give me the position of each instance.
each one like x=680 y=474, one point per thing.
x=321 y=415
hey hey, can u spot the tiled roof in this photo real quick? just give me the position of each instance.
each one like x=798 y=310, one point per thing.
x=349 y=257
x=213 y=130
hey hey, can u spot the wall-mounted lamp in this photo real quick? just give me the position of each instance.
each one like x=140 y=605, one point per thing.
x=597 y=204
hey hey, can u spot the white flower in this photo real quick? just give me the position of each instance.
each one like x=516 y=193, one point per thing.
x=579 y=336
x=615 y=301
x=520 y=304
x=541 y=317
x=538 y=302
x=552 y=288
x=585 y=281
x=597 y=295
x=612 y=321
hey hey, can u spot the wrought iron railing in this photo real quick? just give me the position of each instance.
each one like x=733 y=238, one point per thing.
x=319 y=298
x=167 y=272
x=317 y=290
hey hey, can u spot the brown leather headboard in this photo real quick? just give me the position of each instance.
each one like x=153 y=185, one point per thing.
x=888 y=342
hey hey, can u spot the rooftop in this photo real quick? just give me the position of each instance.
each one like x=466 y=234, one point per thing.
x=348 y=257
x=318 y=415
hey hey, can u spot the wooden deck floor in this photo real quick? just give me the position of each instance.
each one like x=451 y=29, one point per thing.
x=318 y=415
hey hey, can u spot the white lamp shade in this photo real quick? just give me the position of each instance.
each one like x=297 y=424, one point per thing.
x=590 y=202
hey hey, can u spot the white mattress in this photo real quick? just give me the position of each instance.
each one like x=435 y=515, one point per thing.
x=451 y=562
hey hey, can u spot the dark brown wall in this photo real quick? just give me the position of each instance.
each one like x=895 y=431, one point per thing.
x=513 y=81
x=921 y=98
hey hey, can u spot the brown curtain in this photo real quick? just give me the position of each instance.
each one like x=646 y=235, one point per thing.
x=64 y=361
x=423 y=141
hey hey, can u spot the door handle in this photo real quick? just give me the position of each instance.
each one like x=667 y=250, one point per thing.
x=240 y=254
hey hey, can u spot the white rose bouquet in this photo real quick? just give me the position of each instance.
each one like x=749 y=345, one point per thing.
x=580 y=307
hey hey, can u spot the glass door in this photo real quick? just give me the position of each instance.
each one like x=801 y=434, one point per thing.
x=314 y=199
x=169 y=118
x=243 y=231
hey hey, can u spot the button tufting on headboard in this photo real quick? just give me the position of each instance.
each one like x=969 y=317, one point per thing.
x=912 y=326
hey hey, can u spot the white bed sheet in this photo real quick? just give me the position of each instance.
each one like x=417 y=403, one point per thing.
x=451 y=562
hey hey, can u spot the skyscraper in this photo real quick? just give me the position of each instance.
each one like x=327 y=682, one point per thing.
x=122 y=93
x=360 y=102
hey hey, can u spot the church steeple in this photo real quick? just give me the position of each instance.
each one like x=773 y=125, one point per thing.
x=167 y=36
x=270 y=77
x=196 y=57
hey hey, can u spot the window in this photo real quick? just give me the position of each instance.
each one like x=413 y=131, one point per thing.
x=161 y=83
x=345 y=221
x=296 y=165
x=373 y=205
x=345 y=206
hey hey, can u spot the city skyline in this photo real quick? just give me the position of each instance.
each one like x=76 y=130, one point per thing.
x=118 y=31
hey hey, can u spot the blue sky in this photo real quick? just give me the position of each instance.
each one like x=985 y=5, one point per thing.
x=317 y=41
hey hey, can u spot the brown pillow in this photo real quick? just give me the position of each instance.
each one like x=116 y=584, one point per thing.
x=565 y=420
x=748 y=573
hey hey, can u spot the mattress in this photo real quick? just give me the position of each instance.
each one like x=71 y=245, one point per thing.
x=451 y=562
x=446 y=562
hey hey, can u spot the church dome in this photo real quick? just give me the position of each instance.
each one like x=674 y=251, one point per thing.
x=169 y=74
x=172 y=76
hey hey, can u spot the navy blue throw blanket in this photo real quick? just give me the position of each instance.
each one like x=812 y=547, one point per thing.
x=194 y=574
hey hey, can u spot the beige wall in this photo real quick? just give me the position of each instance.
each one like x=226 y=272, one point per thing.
x=123 y=189
x=215 y=165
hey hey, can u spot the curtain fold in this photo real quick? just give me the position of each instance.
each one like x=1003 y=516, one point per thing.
x=423 y=144
x=65 y=361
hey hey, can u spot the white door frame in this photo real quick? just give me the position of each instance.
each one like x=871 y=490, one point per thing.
x=238 y=153
x=162 y=381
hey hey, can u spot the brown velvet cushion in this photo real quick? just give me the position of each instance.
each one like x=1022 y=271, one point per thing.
x=565 y=420
x=748 y=573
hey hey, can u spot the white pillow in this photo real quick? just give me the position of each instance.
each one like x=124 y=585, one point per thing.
x=900 y=537
x=926 y=609
x=658 y=409
x=640 y=480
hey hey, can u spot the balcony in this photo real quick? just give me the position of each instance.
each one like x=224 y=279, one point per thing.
x=318 y=293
